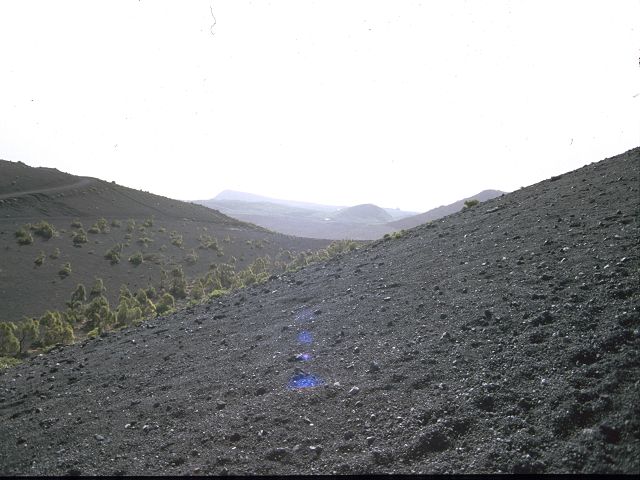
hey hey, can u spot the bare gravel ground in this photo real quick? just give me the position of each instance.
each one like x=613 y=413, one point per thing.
x=504 y=338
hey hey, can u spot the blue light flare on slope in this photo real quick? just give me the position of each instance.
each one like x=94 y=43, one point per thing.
x=305 y=337
x=305 y=380
x=303 y=357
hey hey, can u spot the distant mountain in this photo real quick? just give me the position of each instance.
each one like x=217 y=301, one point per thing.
x=305 y=219
x=366 y=213
x=233 y=195
x=442 y=211
x=249 y=203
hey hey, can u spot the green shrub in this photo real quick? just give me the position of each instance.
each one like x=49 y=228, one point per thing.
x=166 y=304
x=131 y=225
x=211 y=243
x=148 y=222
x=27 y=333
x=178 y=286
x=23 y=237
x=218 y=293
x=55 y=254
x=127 y=315
x=102 y=225
x=98 y=289
x=65 y=270
x=79 y=237
x=54 y=329
x=9 y=344
x=76 y=224
x=162 y=230
x=40 y=259
x=94 y=229
x=470 y=203
x=99 y=315
x=113 y=254
x=116 y=223
x=144 y=241
x=8 y=362
x=93 y=333
x=136 y=259
x=197 y=291
x=176 y=239
x=44 y=230
x=151 y=292
x=79 y=296
x=191 y=258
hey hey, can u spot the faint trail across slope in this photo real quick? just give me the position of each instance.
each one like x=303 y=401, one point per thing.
x=83 y=182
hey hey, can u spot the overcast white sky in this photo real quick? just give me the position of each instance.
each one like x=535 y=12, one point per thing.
x=401 y=103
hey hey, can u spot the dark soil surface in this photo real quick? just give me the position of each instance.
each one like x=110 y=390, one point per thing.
x=59 y=198
x=504 y=338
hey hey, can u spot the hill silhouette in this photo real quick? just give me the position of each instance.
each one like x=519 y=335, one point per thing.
x=503 y=338
x=367 y=213
x=303 y=219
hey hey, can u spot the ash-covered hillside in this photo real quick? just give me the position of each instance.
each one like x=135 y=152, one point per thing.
x=503 y=338
x=124 y=237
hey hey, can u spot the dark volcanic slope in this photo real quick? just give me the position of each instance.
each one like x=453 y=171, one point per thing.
x=18 y=177
x=60 y=198
x=500 y=339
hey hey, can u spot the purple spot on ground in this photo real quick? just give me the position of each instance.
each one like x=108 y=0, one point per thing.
x=305 y=337
x=305 y=380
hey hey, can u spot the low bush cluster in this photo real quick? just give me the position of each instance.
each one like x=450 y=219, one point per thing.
x=136 y=259
x=113 y=254
x=44 y=230
x=23 y=236
x=209 y=242
x=79 y=237
x=65 y=270
x=40 y=259
x=176 y=239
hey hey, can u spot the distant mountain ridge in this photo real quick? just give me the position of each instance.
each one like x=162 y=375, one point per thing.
x=234 y=195
x=305 y=219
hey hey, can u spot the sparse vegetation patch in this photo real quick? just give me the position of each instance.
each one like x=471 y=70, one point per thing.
x=136 y=259
x=79 y=237
x=23 y=236
x=113 y=254
x=65 y=270
x=44 y=230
